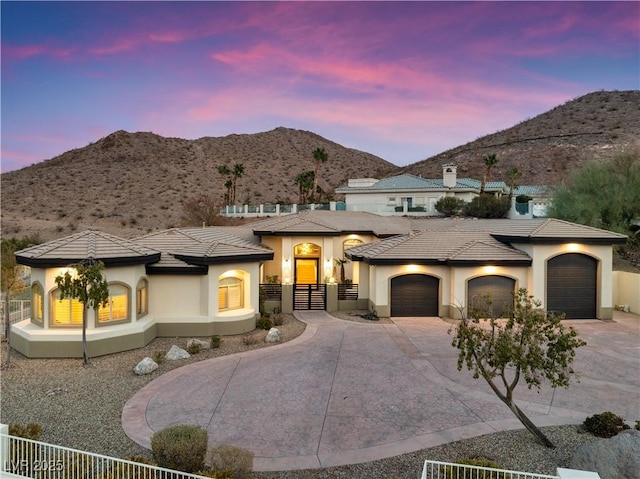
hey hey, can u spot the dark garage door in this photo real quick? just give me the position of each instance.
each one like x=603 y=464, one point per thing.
x=499 y=288
x=572 y=285
x=414 y=295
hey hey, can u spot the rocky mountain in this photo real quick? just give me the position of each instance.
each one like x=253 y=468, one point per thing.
x=132 y=183
x=549 y=147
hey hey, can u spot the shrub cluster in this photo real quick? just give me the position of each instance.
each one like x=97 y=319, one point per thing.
x=606 y=424
x=159 y=357
x=226 y=460
x=194 y=348
x=31 y=431
x=181 y=447
x=264 y=323
x=215 y=341
x=449 y=205
x=487 y=206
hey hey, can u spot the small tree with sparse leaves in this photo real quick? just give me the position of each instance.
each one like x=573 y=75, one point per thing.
x=89 y=286
x=529 y=344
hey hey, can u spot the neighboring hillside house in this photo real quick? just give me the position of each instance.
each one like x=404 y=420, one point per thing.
x=204 y=281
x=408 y=194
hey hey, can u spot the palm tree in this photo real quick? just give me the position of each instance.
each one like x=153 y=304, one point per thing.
x=490 y=161
x=305 y=182
x=319 y=156
x=225 y=172
x=238 y=171
x=514 y=174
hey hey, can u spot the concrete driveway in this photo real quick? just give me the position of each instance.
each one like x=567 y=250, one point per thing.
x=346 y=392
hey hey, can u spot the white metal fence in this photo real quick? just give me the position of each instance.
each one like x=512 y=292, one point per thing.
x=21 y=458
x=448 y=470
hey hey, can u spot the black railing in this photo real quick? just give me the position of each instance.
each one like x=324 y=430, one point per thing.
x=347 y=291
x=273 y=292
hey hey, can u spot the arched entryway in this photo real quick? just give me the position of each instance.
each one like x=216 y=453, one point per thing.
x=414 y=295
x=307 y=263
x=572 y=285
x=499 y=288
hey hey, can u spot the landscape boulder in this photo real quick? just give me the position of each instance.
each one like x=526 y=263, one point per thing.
x=273 y=336
x=146 y=366
x=176 y=353
x=616 y=457
x=203 y=344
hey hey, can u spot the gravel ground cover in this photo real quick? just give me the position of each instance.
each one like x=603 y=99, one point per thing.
x=80 y=407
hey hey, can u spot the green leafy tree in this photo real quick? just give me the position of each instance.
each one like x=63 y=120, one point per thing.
x=88 y=285
x=514 y=175
x=603 y=195
x=449 y=205
x=201 y=210
x=489 y=162
x=11 y=278
x=305 y=182
x=529 y=344
x=320 y=156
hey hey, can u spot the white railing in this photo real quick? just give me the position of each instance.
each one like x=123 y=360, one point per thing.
x=257 y=211
x=19 y=310
x=20 y=458
x=448 y=470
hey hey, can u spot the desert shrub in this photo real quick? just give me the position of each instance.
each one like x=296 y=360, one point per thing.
x=487 y=206
x=215 y=341
x=249 y=339
x=278 y=319
x=22 y=456
x=159 y=357
x=31 y=431
x=181 y=447
x=194 y=348
x=606 y=424
x=264 y=323
x=638 y=425
x=226 y=457
x=449 y=205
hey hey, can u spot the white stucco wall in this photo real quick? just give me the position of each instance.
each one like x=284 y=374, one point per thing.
x=626 y=290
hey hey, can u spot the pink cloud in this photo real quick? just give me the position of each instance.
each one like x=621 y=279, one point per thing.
x=22 y=52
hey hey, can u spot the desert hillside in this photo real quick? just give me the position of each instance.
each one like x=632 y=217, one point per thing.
x=132 y=183
x=549 y=147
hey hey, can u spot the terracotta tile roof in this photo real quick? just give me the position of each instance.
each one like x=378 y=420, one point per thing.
x=190 y=248
x=90 y=244
x=332 y=223
x=515 y=231
x=440 y=247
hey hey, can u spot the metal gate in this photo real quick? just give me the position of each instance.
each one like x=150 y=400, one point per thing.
x=310 y=296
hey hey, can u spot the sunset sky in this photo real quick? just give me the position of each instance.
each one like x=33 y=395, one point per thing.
x=403 y=81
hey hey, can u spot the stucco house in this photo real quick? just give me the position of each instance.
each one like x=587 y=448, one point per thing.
x=409 y=194
x=205 y=281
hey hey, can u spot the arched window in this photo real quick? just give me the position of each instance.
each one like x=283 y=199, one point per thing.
x=351 y=243
x=65 y=312
x=37 y=304
x=142 y=298
x=117 y=308
x=230 y=294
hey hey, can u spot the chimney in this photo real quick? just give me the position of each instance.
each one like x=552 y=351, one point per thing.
x=449 y=175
